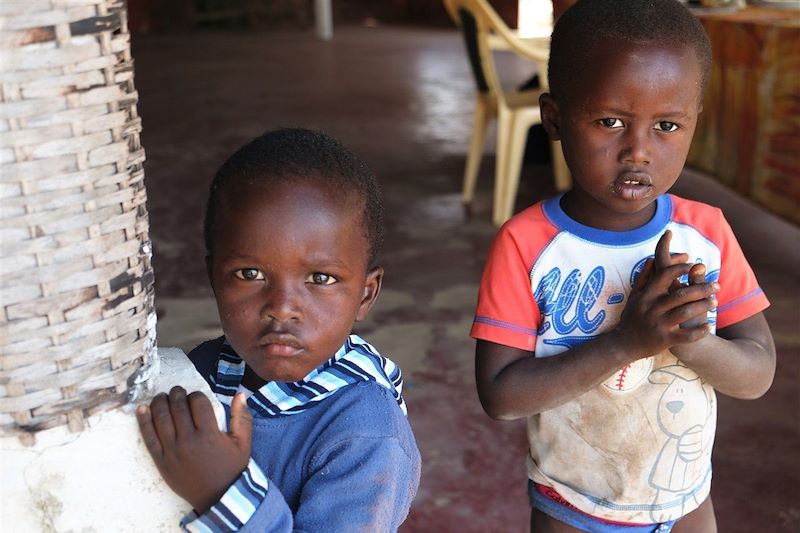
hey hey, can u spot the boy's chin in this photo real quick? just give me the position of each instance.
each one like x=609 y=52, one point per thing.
x=267 y=373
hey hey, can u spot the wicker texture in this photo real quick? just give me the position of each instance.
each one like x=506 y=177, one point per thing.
x=76 y=292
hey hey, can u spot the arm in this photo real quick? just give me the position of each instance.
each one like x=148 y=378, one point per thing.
x=739 y=361
x=361 y=484
x=252 y=501
x=513 y=384
x=361 y=473
x=358 y=484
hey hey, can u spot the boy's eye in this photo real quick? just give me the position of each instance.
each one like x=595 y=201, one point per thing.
x=318 y=278
x=249 y=274
x=611 y=122
x=665 y=125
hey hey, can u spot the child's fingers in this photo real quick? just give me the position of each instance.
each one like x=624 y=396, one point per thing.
x=202 y=412
x=181 y=416
x=693 y=334
x=149 y=436
x=241 y=424
x=644 y=275
x=692 y=293
x=663 y=257
x=692 y=314
x=162 y=420
x=674 y=286
x=664 y=279
x=697 y=274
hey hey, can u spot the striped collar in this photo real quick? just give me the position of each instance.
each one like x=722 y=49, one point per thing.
x=355 y=361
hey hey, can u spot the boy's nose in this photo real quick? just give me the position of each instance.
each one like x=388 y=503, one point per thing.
x=637 y=149
x=281 y=303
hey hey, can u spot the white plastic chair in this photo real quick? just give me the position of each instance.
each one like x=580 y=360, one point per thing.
x=515 y=111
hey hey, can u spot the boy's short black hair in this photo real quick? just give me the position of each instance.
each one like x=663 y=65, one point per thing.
x=588 y=22
x=299 y=154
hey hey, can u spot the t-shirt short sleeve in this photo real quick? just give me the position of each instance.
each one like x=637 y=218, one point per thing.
x=740 y=296
x=507 y=312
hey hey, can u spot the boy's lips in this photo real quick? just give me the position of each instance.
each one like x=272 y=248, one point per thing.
x=632 y=185
x=279 y=344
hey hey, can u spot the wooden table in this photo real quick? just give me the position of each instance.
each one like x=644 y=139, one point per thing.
x=748 y=135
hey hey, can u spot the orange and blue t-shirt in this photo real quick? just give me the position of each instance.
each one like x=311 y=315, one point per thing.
x=551 y=283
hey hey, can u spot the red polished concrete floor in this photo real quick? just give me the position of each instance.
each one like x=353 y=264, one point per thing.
x=402 y=99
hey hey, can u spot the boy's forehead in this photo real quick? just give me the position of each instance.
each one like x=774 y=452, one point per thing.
x=297 y=201
x=612 y=57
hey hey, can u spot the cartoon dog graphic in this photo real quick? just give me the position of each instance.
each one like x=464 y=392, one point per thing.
x=684 y=410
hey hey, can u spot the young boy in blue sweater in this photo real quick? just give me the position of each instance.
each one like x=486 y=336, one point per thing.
x=318 y=438
x=609 y=316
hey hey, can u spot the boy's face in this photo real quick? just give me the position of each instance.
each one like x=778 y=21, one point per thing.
x=289 y=274
x=625 y=130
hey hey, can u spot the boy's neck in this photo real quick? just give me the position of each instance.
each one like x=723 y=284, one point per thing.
x=585 y=211
x=251 y=380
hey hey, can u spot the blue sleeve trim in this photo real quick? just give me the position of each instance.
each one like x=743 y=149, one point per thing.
x=506 y=325
x=236 y=506
x=741 y=299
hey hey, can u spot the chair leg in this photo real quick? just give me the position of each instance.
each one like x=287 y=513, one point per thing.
x=475 y=150
x=561 y=175
x=518 y=138
x=504 y=123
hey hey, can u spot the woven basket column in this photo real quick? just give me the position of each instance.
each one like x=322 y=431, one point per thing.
x=76 y=320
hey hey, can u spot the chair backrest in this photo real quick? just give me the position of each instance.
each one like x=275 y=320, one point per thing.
x=477 y=21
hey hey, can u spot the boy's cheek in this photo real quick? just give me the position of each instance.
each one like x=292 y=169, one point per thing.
x=235 y=318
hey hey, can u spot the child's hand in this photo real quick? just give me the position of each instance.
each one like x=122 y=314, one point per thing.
x=196 y=459
x=658 y=305
x=697 y=275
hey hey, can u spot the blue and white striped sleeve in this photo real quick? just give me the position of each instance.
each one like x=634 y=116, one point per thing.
x=236 y=506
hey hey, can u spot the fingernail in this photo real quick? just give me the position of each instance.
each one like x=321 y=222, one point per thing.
x=716 y=286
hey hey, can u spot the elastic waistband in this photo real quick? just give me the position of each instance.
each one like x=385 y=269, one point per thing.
x=550 y=502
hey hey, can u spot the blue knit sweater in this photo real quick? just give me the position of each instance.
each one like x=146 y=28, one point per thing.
x=347 y=463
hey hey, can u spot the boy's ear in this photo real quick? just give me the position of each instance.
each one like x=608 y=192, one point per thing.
x=372 y=288
x=550 y=117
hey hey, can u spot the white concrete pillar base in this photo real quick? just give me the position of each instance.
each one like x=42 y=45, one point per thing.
x=101 y=479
